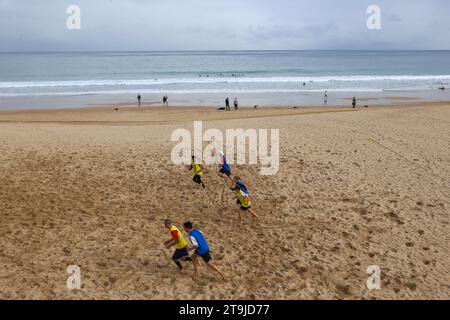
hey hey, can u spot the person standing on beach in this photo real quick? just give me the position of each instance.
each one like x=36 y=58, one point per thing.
x=139 y=100
x=354 y=102
x=177 y=240
x=227 y=104
x=198 y=172
x=201 y=249
x=236 y=104
x=325 y=97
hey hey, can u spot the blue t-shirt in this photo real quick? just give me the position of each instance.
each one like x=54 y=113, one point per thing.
x=198 y=239
x=225 y=165
x=242 y=186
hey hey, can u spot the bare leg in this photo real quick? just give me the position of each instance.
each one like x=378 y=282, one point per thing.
x=202 y=184
x=253 y=214
x=221 y=175
x=241 y=216
x=213 y=267
x=178 y=263
x=189 y=259
x=226 y=177
x=195 y=263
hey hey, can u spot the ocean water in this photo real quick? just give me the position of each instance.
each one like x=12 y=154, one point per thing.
x=221 y=72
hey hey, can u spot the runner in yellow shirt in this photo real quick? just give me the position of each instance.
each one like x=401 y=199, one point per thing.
x=198 y=172
x=177 y=240
x=243 y=200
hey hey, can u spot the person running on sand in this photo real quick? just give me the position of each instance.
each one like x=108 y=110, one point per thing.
x=198 y=172
x=225 y=169
x=354 y=102
x=243 y=200
x=201 y=249
x=177 y=240
x=238 y=183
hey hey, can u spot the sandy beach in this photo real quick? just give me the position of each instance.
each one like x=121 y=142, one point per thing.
x=91 y=187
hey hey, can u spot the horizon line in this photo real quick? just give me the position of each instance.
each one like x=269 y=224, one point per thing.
x=229 y=50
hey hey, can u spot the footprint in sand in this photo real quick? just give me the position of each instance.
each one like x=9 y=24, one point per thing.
x=410 y=244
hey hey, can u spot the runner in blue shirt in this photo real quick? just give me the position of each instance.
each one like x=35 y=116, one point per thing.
x=225 y=169
x=238 y=183
x=201 y=249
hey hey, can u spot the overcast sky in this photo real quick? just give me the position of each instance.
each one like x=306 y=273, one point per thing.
x=128 y=25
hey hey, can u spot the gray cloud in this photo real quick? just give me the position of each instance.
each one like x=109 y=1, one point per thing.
x=218 y=24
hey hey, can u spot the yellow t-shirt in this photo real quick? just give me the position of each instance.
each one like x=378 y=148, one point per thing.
x=243 y=199
x=197 y=169
x=177 y=235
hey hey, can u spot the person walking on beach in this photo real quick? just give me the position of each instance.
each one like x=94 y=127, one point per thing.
x=139 y=100
x=227 y=104
x=243 y=200
x=236 y=104
x=166 y=101
x=198 y=172
x=181 y=253
x=354 y=102
x=201 y=249
x=325 y=97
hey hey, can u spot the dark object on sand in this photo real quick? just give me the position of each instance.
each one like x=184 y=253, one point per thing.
x=256 y=107
x=221 y=109
x=441 y=88
x=116 y=109
x=366 y=106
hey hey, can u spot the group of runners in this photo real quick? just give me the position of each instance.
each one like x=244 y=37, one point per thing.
x=198 y=243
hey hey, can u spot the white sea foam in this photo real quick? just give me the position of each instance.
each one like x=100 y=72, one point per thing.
x=218 y=80
x=182 y=92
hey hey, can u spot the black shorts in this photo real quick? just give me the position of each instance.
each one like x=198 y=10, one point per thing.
x=227 y=172
x=242 y=207
x=180 y=253
x=206 y=257
x=197 y=179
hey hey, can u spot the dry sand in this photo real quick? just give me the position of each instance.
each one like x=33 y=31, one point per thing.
x=91 y=187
